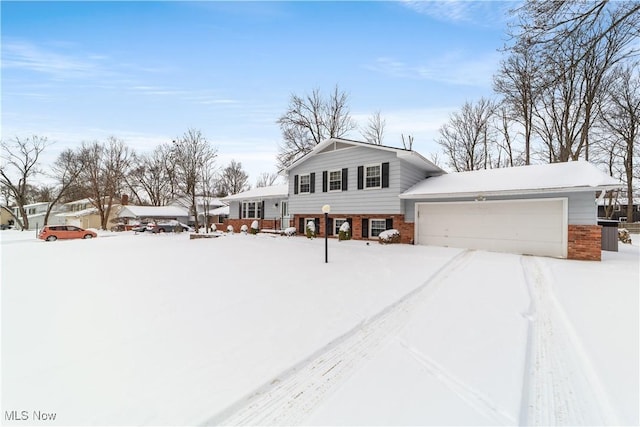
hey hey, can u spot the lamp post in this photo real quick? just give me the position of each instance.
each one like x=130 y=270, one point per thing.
x=326 y=209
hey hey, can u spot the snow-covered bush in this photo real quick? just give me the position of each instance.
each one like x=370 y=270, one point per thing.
x=230 y=229
x=290 y=231
x=244 y=228
x=212 y=228
x=389 y=236
x=311 y=229
x=254 y=227
x=345 y=231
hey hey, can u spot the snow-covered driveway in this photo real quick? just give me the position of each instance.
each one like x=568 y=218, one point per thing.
x=157 y=329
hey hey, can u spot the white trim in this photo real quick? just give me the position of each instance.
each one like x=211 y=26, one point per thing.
x=257 y=209
x=329 y=181
x=364 y=176
x=371 y=236
x=300 y=183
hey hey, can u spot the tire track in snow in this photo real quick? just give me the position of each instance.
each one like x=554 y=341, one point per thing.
x=293 y=395
x=560 y=385
x=474 y=398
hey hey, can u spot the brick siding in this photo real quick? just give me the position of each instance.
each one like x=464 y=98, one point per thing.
x=405 y=228
x=584 y=242
x=262 y=224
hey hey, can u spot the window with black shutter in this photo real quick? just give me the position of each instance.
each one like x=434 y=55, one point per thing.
x=312 y=183
x=360 y=177
x=324 y=181
x=295 y=184
x=345 y=175
x=365 y=227
x=385 y=175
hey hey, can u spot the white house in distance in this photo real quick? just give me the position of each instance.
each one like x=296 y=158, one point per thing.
x=544 y=210
x=36 y=213
x=268 y=205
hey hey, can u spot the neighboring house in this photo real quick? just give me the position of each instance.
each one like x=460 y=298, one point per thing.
x=82 y=213
x=211 y=207
x=6 y=217
x=544 y=210
x=268 y=205
x=137 y=214
x=617 y=207
x=361 y=182
x=36 y=213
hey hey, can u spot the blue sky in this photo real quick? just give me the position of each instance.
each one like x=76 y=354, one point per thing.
x=146 y=72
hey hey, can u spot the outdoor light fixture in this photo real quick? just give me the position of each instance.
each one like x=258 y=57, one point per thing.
x=325 y=210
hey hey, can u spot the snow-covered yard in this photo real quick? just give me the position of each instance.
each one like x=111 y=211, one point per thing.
x=147 y=329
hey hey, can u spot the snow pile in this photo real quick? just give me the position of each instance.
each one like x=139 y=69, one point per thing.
x=290 y=231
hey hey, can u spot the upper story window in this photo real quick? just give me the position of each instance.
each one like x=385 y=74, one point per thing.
x=304 y=184
x=373 y=176
x=335 y=180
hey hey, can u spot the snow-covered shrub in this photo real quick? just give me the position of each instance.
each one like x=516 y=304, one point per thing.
x=623 y=235
x=254 y=227
x=212 y=228
x=345 y=231
x=244 y=228
x=290 y=231
x=230 y=228
x=311 y=229
x=389 y=236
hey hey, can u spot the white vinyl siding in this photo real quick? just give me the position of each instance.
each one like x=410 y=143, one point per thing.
x=582 y=209
x=351 y=201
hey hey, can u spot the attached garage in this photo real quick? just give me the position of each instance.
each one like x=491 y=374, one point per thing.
x=534 y=227
x=545 y=210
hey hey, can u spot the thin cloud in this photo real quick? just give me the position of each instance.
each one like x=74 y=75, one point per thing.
x=482 y=13
x=27 y=56
x=453 y=68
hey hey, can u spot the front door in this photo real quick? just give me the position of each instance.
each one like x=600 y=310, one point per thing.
x=284 y=214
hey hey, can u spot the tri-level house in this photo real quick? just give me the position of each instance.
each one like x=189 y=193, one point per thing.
x=546 y=210
x=361 y=183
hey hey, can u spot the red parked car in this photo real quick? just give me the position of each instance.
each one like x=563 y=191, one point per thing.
x=55 y=232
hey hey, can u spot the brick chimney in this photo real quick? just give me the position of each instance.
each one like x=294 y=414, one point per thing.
x=124 y=200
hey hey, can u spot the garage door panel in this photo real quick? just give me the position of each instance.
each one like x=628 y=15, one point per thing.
x=536 y=227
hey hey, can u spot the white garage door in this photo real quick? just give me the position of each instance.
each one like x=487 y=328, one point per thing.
x=535 y=227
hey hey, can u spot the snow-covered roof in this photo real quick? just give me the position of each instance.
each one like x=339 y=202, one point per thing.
x=83 y=212
x=270 y=192
x=152 y=212
x=533 y=179
x=224 y=210
x=410 y=156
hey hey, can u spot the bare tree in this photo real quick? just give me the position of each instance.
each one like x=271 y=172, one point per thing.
x=153 y=177
x=266 y=179
x=506 y=141
x=311 y=119
x=234 y=179
x=465 y=139
x=19 y=165
x=193 y=157
x=65 y=171
x=621 y=121
x=407 y=143
x=515 y=81
x=374 y=131
x=104 y=168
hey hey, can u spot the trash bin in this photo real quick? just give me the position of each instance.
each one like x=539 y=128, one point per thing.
x=609 y=234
